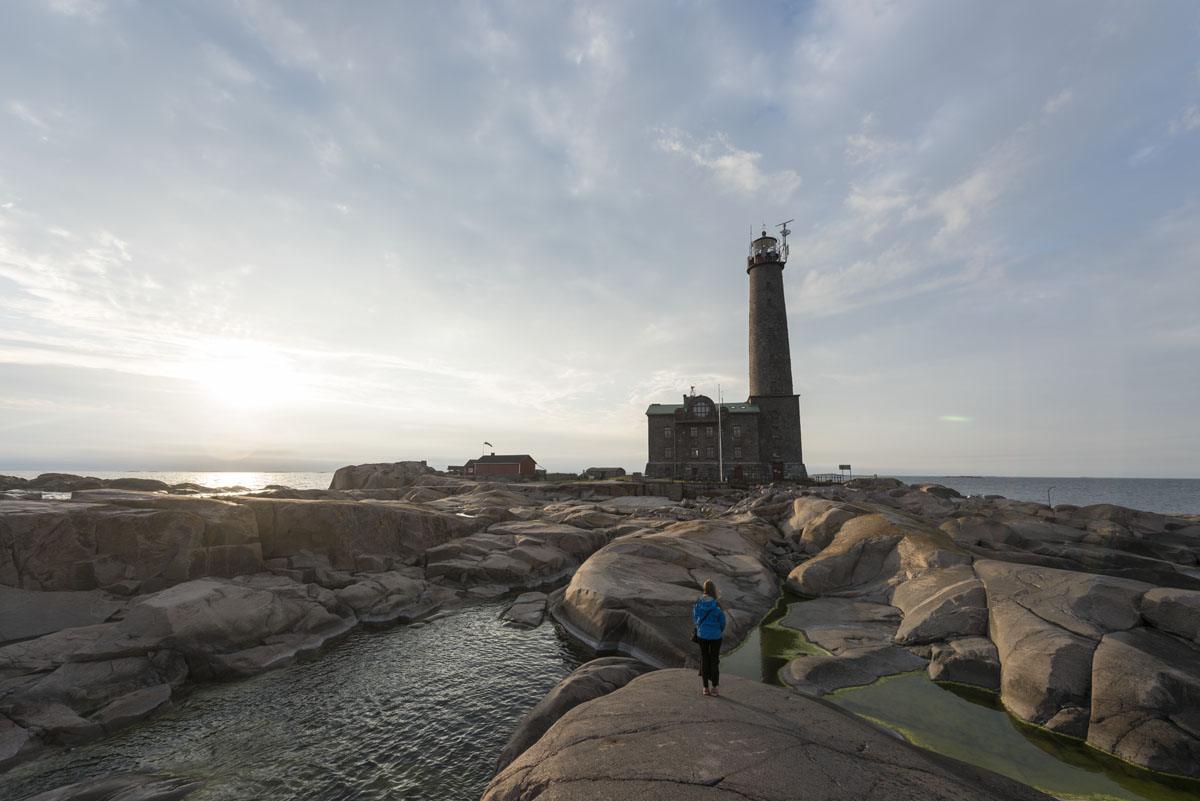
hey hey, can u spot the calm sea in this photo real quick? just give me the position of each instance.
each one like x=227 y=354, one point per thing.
x=1166 y=495
x=249 y=480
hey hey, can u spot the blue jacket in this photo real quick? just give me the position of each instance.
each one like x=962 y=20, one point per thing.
x=713 y=625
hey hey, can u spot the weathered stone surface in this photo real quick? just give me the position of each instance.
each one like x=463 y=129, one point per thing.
x=1146 y=700
x=1046 y=624
x=1174 y=611
x=971 y=660
x=346 y=531
x=871 y=553
x=817 y=675
x=87 y=686
x=132 y=707
x=515 y=554
x=16 y=743
x=130 y=540
x=635 y=595
x=657 y=737
x=590 y=680
x=25 y=613
x=382 y=475
x=940 y=605
x=844 y=626
x=54 y=722
x=392 y=597
x=130 y=787
x=527 y=610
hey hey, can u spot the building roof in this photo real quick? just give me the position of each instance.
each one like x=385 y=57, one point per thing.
x=509 y=459
x=732 y=408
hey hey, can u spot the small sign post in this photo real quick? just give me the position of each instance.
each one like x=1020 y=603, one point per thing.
x=845 y=468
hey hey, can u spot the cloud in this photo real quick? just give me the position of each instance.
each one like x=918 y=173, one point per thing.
x=1058 y=102
x=1188 y=120
x=734 y=169
x=428 y=223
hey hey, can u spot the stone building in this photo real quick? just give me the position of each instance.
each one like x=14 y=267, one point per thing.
x=758 y=440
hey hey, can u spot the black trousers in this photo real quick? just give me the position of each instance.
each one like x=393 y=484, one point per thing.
x=710 y=661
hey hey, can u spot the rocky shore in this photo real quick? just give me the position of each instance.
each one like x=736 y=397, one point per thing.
x=1083 y=620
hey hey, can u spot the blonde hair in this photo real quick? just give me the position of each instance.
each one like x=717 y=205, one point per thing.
x=710 y=589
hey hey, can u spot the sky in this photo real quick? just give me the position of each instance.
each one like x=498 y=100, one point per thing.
x=290 y=235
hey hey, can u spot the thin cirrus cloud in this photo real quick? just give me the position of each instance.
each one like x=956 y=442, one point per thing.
x=296 y=234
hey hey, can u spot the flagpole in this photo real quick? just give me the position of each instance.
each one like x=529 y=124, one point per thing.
x=720 y=441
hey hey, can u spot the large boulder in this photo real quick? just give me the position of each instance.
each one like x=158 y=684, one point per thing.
x=209 y=621
x=516 y=554
x=381 y=475
x=872 y=553
x=1174 y=611
x=941 y=604
x=657 y=737
x=129 y=787
x=590 y=680
x=635 y=595
x=970 y=660
x=348 y=531
x=858 y=638
x=130 y=542
x=1146 y=700
x=1046 y=624
x=25 y=614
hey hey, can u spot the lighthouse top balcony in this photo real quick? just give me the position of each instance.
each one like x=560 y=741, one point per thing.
x=766 y=250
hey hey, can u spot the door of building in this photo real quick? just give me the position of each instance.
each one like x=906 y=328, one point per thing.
x=737 y=473
x=776 y=471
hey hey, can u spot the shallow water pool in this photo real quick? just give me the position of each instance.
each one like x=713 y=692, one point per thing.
x=965 y=723
x=413 y=712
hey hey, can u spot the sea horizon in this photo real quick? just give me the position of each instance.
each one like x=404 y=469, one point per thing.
x=1162 y=495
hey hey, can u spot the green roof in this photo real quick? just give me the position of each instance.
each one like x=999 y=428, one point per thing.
x=732 y=408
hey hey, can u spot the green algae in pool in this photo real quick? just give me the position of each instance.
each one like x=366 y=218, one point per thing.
x=769 y=646
x=961 y=722
x=968 y=724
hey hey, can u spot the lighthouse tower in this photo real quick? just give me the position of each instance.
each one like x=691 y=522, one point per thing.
x=779 y=448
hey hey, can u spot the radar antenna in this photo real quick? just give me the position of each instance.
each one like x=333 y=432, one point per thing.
x=783 y=234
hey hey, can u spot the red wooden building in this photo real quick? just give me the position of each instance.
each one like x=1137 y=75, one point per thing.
x=492 y=465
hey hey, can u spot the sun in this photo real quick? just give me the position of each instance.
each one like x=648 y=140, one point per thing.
x=247 y=377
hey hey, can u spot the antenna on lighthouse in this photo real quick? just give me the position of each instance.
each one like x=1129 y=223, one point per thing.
x=783 y=234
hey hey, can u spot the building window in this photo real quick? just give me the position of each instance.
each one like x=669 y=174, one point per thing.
x=710 y=452
x=737 y=453
x=708 y=431
x=695 y=453
x=667 y=432
x=701 y=409
x=695 y=431
x=669 y=453
x=737 y=431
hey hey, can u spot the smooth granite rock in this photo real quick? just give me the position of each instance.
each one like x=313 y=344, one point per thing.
x=590 y=680
x=971 y=660
x=527 y=610
x=635 y=595
x=514 y=554
x=131 y=787
x=658 y=738
x=382 y=475
x=25 y=614
x=1146 y=700
x=346 y=531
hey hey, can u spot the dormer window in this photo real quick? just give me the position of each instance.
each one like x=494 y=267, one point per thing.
x=701 y=409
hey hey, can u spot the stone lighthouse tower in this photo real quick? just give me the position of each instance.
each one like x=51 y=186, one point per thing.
x=779 y=448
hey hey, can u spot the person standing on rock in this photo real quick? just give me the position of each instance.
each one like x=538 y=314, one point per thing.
x=709 y=620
